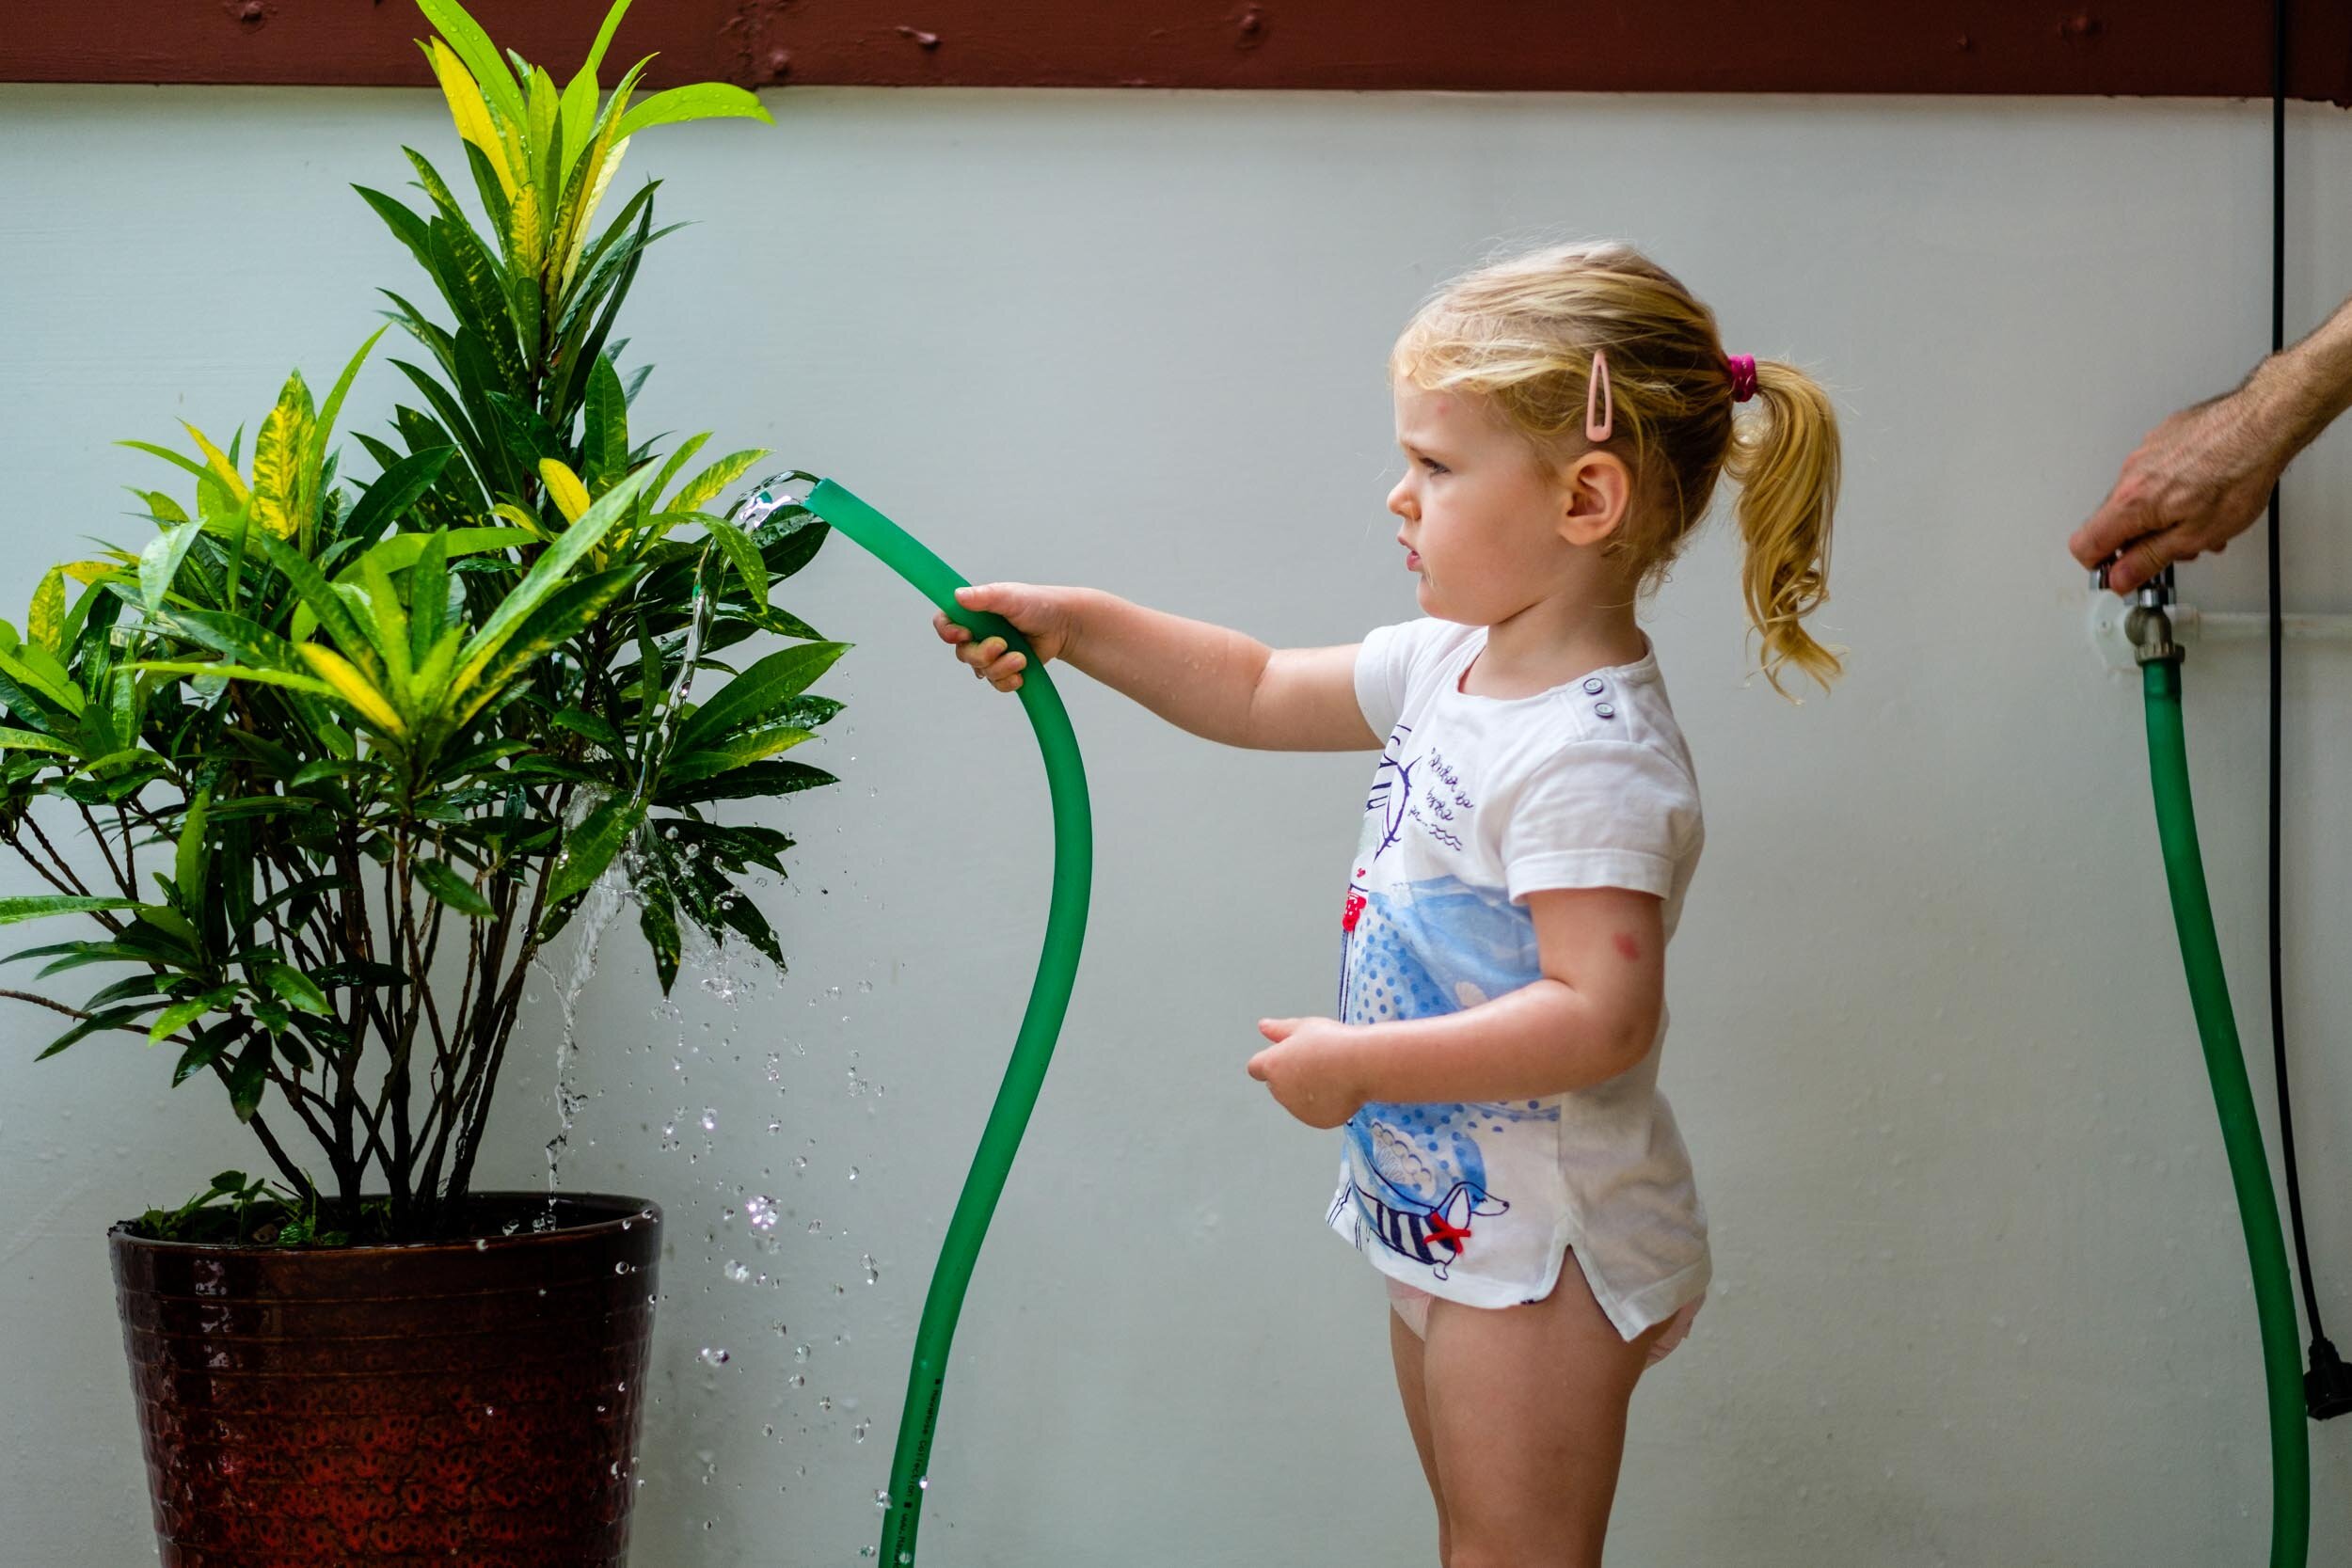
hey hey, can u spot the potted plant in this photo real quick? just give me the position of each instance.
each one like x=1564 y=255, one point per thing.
x=327 y=765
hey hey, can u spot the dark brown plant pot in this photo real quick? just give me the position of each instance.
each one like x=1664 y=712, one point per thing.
x=469 y=1402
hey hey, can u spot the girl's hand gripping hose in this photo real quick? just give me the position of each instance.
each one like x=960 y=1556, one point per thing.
x=1049 y=995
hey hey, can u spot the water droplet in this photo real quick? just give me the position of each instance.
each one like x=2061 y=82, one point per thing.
x=852 y=1173
x=800 y=1164
x=873 y=1274
x=737 y=1271
x=711 y=1119
x=712 y=1356
x=859 y=1430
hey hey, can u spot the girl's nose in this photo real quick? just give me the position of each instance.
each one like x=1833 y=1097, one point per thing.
x=1400 y=499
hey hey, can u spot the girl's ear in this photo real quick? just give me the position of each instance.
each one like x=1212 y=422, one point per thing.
x=1594 y=491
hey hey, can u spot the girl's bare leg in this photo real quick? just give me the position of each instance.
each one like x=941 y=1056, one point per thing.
x=1404 y=1347
x=1526 y=1407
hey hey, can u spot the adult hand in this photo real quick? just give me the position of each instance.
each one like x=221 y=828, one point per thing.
x=2195 y=484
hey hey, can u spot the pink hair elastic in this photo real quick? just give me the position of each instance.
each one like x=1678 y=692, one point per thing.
x=1742 y=368
x=1600 y=402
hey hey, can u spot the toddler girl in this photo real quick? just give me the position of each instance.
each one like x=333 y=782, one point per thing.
x=1528 y=837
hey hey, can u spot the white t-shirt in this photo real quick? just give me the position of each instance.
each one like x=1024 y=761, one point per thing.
x=1477 y=802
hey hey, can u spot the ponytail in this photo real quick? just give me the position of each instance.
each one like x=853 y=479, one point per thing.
x=1784 y=459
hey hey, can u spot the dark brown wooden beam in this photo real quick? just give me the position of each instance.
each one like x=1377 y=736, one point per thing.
x=2190 y=48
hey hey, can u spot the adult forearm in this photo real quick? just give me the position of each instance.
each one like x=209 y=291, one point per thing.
x=1198 y=676
x=2301 y=389
x=1541 y=1040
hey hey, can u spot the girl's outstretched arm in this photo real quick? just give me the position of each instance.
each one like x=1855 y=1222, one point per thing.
x=1593 y=1015
x=1219 y=684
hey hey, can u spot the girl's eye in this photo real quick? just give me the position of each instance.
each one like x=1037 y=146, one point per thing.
x=1433 y=465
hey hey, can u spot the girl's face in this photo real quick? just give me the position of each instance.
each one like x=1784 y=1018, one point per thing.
x=1483 y=518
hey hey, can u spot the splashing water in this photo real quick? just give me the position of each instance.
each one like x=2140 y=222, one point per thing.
x=603 y=902
x=618 y=884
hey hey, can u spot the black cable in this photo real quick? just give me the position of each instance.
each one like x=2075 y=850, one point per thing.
x=2277 y=650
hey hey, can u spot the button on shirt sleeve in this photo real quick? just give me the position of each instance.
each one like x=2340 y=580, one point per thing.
x=1600 y=814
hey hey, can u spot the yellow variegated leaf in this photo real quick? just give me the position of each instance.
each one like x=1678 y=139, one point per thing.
x=521 y=519
x=705 y=485
x=45 y=623
x=352 y=687
x=570 y=495
x=222 y=468
x=280 y=503
x=90 y=571
x=471 y=114
x=576 y=243
x=526 y=234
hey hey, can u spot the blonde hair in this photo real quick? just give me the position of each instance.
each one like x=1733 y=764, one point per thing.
x=1523 y=332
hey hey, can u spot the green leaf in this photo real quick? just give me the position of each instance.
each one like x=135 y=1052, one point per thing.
x=575 y=720
x=111 y=1017
x=428 y=598
x=178 y=1017
x=545 y=577
x=159 y=564
x=656 y=916
x=309 y=684
x=742 y=553
x=579 y=115
x=481 y=57
x=761 y=780
x=679 y=459
x=298 y=987
x=591 y=848
x=34 y=666
x=571 y=612
x=735 y=751
x=605 y=439
x=194 y=852
x=446 y=883
x=320 y=597
x=393 y=492
x=315 y=459
x=757 y=692
x=249 y=1077
x=702 y=101
x=161 y=507
x=14 y=909
x=25 y=740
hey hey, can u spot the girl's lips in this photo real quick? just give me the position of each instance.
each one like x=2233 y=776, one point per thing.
x=1412 y=561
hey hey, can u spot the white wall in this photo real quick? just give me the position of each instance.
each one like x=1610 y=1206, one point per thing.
x=1981 y=1295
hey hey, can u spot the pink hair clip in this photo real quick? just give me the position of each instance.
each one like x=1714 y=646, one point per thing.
x=1600 y=402
x=1742 y=368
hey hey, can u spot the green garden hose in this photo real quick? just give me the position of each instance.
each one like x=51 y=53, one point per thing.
x=1049 y=999
x=2225 y=1063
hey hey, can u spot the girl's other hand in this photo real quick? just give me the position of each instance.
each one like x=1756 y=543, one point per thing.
x=1046 y=616
x=1311 y=1067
